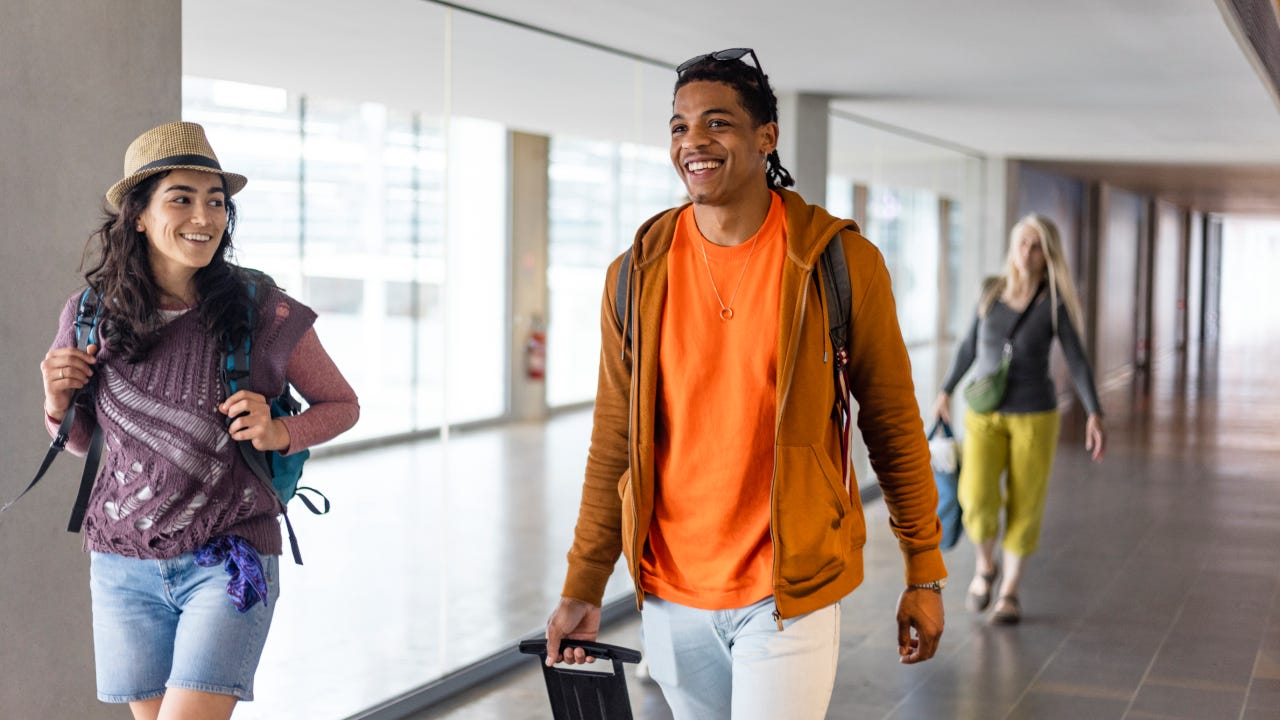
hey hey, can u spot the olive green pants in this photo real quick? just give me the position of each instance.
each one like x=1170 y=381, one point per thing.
x=1019 y=446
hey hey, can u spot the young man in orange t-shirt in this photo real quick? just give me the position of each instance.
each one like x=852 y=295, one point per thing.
x=717 y=462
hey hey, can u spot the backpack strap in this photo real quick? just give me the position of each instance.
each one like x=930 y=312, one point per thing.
x=839 y=297
x=622 y=297
x=87 y=477
x=236 y=372
x=835 y=275
x=88 y=316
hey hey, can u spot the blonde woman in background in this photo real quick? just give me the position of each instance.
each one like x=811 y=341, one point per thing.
x=1018 y=438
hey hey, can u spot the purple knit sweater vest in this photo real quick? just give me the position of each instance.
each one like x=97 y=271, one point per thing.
x=171 y=476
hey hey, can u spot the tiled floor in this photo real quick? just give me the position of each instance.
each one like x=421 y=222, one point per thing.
x=1154 y=595
x=396 y=589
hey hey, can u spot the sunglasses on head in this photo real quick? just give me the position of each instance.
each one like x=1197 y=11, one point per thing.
x=728 y=55
x=722 y=56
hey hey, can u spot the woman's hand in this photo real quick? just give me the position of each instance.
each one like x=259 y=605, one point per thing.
x=65 y=370
x=252 y=421
x=942 y=407
x=1094 y=436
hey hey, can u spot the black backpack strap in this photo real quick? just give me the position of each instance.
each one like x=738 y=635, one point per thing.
x=622 y=297
x=839 y=297
x=311 y=504
x=56 y=446
x=88 y=316
x=87 y=476
x=835 y=276
x=236 y=372
x=293 y=538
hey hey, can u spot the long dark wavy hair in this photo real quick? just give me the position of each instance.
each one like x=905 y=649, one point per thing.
x=756 y=98
x=117 y=258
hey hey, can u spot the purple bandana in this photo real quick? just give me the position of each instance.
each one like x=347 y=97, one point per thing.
x=248 y=584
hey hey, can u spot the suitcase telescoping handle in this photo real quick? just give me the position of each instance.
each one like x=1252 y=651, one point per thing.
x=600 y=651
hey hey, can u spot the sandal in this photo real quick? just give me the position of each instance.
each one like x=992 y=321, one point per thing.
x=1008 y=611
x=977 y=602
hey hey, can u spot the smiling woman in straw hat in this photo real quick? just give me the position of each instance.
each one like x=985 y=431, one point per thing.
x=183 y=536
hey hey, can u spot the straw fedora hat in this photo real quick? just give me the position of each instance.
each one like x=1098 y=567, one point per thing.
x=172 y=146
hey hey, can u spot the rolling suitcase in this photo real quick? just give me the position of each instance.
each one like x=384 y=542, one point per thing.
x=586 y=694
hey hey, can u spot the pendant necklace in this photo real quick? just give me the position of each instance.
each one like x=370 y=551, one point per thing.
x=726 y=311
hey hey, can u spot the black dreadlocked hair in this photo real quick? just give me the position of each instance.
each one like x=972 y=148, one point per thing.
x=759 y=101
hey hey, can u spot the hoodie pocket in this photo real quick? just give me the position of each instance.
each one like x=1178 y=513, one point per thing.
x=812 y=512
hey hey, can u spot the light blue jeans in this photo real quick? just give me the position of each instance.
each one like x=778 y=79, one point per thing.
x=736 y=664
x=170 y=623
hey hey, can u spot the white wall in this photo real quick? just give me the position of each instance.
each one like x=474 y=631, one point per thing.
x=80 y=80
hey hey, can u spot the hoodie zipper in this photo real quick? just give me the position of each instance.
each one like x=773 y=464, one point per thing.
x=792 y=353
x=633 y=290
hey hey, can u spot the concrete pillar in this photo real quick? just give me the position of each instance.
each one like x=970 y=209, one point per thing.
x=861 y=193
x=529 y=237
x=80 y=81
x=802 y=142
x=1001 y=207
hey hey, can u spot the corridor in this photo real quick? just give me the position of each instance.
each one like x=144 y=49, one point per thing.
x=1156 y=593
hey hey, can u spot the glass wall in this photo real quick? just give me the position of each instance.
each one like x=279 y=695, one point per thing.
x=600 y=192
x=378 y=153
x=919 y=203
x=904 y=224
x=1251 y=254
x=346 y=209
x=379 y=163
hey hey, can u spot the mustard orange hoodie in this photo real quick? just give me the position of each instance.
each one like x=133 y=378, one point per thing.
x=817 y=526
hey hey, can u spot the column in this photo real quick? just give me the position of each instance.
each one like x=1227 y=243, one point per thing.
x=802 y=143
x=529 y=157
x=80 y=81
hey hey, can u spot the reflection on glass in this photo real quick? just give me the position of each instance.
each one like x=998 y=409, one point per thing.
x=903 y=192
x=904 y=225
x=379 y=193
x=347 y=206
x=600 y=193
x=956 y=315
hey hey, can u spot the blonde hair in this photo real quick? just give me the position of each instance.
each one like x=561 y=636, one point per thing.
x=1061 y=286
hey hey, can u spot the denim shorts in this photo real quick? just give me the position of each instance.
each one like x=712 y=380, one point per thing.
x=170 y=623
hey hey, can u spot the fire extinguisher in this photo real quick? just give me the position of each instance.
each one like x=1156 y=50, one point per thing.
x=535 y=351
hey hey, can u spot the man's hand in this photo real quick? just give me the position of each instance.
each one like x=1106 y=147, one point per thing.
x=919 y=612
x=573 y=620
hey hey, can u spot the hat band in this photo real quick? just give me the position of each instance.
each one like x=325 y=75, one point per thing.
x=197 y=160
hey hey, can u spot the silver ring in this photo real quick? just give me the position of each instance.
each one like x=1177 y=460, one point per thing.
x=62 y=373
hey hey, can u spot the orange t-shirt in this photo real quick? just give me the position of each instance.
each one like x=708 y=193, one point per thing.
x=709 y=544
